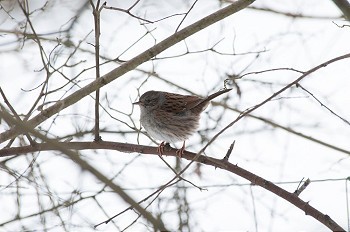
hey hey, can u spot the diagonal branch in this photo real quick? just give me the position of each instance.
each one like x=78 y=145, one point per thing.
x=344 y=6
x=295 y=82
x=217 y=163
x=130 y=65
x=74 y=156
x=285 y=128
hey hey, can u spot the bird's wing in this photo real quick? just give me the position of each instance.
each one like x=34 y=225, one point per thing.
x=177 y=103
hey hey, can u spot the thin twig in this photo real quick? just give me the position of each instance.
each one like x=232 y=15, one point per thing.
x=128 y=11
x=73 y=155
x=183 y=19
x=302 y=187
x=96 y=12
x=193 y=157
x=229 y=151
x=251 y=109
x=18 y=118
x=131 y=64
x=323 y=105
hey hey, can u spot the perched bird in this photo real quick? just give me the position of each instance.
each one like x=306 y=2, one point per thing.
x=171 y=117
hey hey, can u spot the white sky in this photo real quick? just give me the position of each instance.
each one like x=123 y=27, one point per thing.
x=268 y=152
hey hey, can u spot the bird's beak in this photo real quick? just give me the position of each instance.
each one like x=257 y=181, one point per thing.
x=136 y=103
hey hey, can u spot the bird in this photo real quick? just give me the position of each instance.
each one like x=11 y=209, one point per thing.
x=171 y=117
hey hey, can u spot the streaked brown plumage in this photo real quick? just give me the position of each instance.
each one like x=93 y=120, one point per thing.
x=171 y=117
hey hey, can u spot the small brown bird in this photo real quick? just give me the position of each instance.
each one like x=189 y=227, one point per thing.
x=171 y=117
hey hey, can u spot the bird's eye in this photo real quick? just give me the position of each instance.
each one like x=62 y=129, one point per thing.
x=149 y=102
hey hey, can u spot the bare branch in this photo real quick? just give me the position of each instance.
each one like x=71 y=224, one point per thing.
x=74 y=156
x=302 y=187
x=217 y=163
x=96 y=12
x=131 y=64
x=323 y=105
x=346 y=56
x=344 y=7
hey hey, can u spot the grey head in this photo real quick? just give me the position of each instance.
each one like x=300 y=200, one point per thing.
x=151 y=100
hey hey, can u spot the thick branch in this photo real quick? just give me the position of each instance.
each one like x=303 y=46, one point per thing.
x=344 y=6
x=62 y=147
x=130 y=65
x=218 y=163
